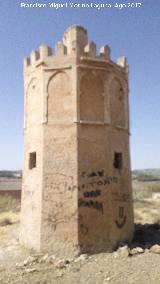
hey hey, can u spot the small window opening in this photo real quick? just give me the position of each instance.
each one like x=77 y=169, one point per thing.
x=74 y=45
x=118 y=160
x=32 y=160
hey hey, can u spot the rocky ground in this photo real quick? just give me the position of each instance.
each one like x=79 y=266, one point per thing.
x=138 y=263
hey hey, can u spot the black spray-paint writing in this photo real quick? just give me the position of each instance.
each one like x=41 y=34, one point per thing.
x=97 y=179
x=93 y=193
x=91 y=204
x=100 y=174
x=93 y=174
x=122 y=218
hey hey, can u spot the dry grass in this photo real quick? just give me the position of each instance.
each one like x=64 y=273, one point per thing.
x=9 y=210
x=155 y=188
x=9 y=218
x=146 y=209
x=8 y=203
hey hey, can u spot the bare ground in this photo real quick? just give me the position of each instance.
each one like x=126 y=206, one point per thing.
x=113 y=268
x=96 y=269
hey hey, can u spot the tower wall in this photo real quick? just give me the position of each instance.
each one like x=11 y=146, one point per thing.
x=59 y=222
x=78 y=195
x=105 y=196
x=31 y=213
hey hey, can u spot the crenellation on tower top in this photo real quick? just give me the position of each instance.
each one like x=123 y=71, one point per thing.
x=122 y=61
x=74 y=44
x=44 y=51
x=26 y=62
x=35 y=55
x=105 y=52
x=90 y=49
x=60 y=48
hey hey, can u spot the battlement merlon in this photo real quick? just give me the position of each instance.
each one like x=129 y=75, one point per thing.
x=74 y=44
x=122 y=62
x=38 y=56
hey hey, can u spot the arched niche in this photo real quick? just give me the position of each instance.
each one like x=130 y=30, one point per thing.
x=60 y=101
x=33 y=103
x=117 y=103
x=91 y=98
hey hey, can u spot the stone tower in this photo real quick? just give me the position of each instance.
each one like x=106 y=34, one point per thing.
x=77 y=180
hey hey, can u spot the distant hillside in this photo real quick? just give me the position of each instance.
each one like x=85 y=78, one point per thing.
x=141 y=175
x=11 y=174
x=146 y=175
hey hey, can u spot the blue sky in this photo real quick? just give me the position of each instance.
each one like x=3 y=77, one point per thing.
x=133 y=32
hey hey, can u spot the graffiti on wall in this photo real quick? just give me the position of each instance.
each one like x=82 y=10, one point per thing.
x=60 y=188
x=97 y=178
x=58 y=184
x=122 y=218
x=59 y=201
x=95 y=181
x=91 y=204
x=93 y=184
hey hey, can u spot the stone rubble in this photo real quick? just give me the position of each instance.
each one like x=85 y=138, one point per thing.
x=50 y=259
x=61 y=264
x=30 y=260
x=136 y=250
x=155 y=249
x=82 y=257
x=30 y=270
x=44 y=258
x=106 y=280
x=122 y=252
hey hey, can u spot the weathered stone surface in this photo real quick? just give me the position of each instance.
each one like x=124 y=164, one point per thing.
x=62 y=263
x=155 y=249
x=76 y=182
x=20 y=265
x=51 y=259
x=122 y=252
x=30 y=260
x=44 y=258
x=30 y=270
x=137 y=250
x=82 y=257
